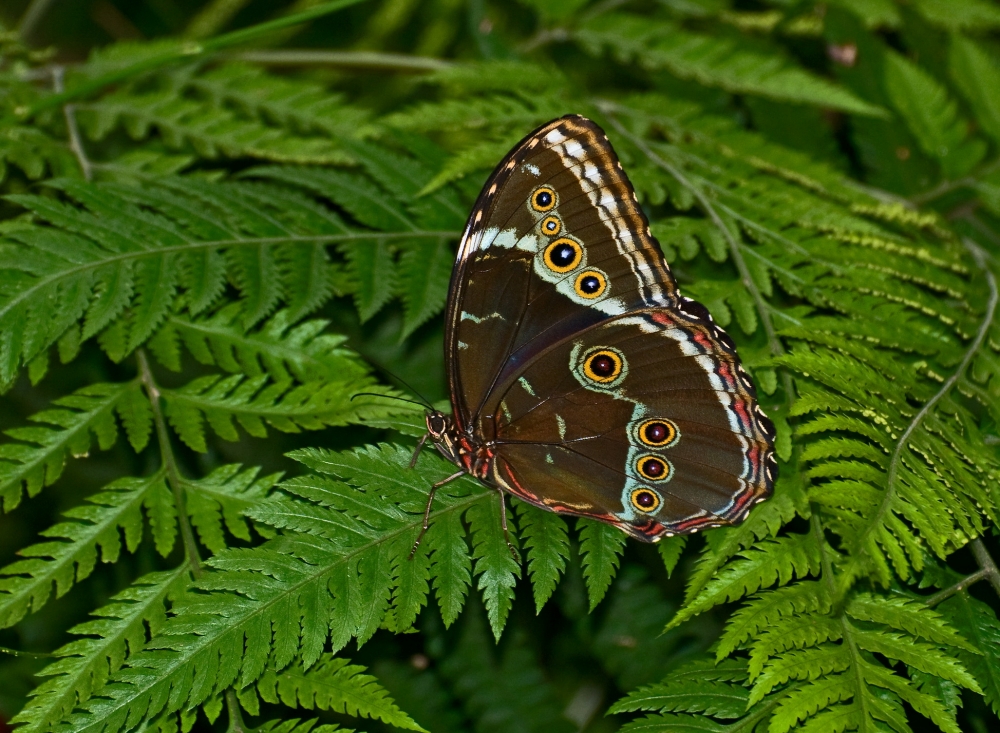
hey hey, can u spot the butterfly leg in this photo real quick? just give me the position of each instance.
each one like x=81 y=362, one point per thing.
x=420 y=447
x=427 y=509
x=503 y=523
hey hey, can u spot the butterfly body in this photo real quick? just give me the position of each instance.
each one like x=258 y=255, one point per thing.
x=581 y=380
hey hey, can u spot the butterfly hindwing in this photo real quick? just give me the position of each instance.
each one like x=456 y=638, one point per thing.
x=646 y=421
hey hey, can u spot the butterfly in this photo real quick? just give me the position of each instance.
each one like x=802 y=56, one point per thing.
x=581 y=380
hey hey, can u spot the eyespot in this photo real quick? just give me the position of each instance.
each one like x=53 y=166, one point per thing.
x=543 y=199
x=653 y=468
x=551 y=226
x=603 y=366
x=645 y=500
x=563 y=255
x=590 y=284
x=657 y=432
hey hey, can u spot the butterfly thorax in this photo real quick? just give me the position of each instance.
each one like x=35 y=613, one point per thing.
x=464 y=450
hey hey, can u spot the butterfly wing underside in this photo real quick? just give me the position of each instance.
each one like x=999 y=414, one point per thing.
x=557 y=268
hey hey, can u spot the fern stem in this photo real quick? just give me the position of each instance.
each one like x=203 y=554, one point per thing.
x=236 y=723
x=31 y=17
x=342 y=59
x=69 y=113
x=985 y=561
x=897 y=453
x=174 y=477
x=957 y=588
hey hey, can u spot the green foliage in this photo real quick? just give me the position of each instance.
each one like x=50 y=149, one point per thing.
x=197 y=248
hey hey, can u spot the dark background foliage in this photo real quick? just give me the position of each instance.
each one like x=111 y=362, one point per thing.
x=286 y=198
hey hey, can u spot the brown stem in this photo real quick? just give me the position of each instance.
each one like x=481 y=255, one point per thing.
x=986 y=563
x=69 y=113
x=174 y=477
x=957 y=588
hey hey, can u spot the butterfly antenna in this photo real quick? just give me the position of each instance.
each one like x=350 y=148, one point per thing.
x=426 y=402
x=388 y=397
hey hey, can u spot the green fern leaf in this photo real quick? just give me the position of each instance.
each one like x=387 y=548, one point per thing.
x=84 y=665
x=496 y=569
x=978 y=623
x=546 y=539
x=279 y=348
x=931 y=115
x=714 y=62
x=697 y=687
x=977 y=76
x=224 y=496
x=336 y=685
x=95 y=533
x=329 y=573
x=452 y=565
x=601 y=548
x=39 y=456
x=763 y=565
x=256 y=402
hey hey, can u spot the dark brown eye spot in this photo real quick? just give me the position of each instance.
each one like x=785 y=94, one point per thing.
x=563 y=255
x=658 y=432
x=602 y=365
x=645 y=500
x=590 y=284
x=653 y=468
x=543 y=199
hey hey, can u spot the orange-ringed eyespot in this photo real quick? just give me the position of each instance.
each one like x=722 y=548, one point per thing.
x=590 y=284
x=551 y=225
x=602 y=366
x=563 y=255
x=657 y=432
x=543 y=199
x=652 y=468
x=645 y=500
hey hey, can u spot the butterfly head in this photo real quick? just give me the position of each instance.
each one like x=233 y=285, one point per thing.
x=438 y=425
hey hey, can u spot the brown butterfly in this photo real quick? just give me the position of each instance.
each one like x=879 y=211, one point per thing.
x=581 y=380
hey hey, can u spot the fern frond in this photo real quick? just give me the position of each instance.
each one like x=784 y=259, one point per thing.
x=601 y=548
x=546 y=539
x=925 y=106
x=224 y=497
x=713 y=61
x=763 y=565
x=94 y=534
x=121 y=629
x=38 y=457
x=256 y=402
x=327 y=577
x=278 y=347
x=977 y=622
x=34 y=152
x=697 y=687
x=496 y=569
x=210 y=130
x=336 y=685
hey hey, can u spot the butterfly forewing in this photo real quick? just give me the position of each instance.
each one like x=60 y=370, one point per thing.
x=576 y=365
x=555 y=243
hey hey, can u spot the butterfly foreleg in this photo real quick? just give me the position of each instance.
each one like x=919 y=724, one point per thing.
x=503 y=523
x=427 y=509
x=420 y=447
